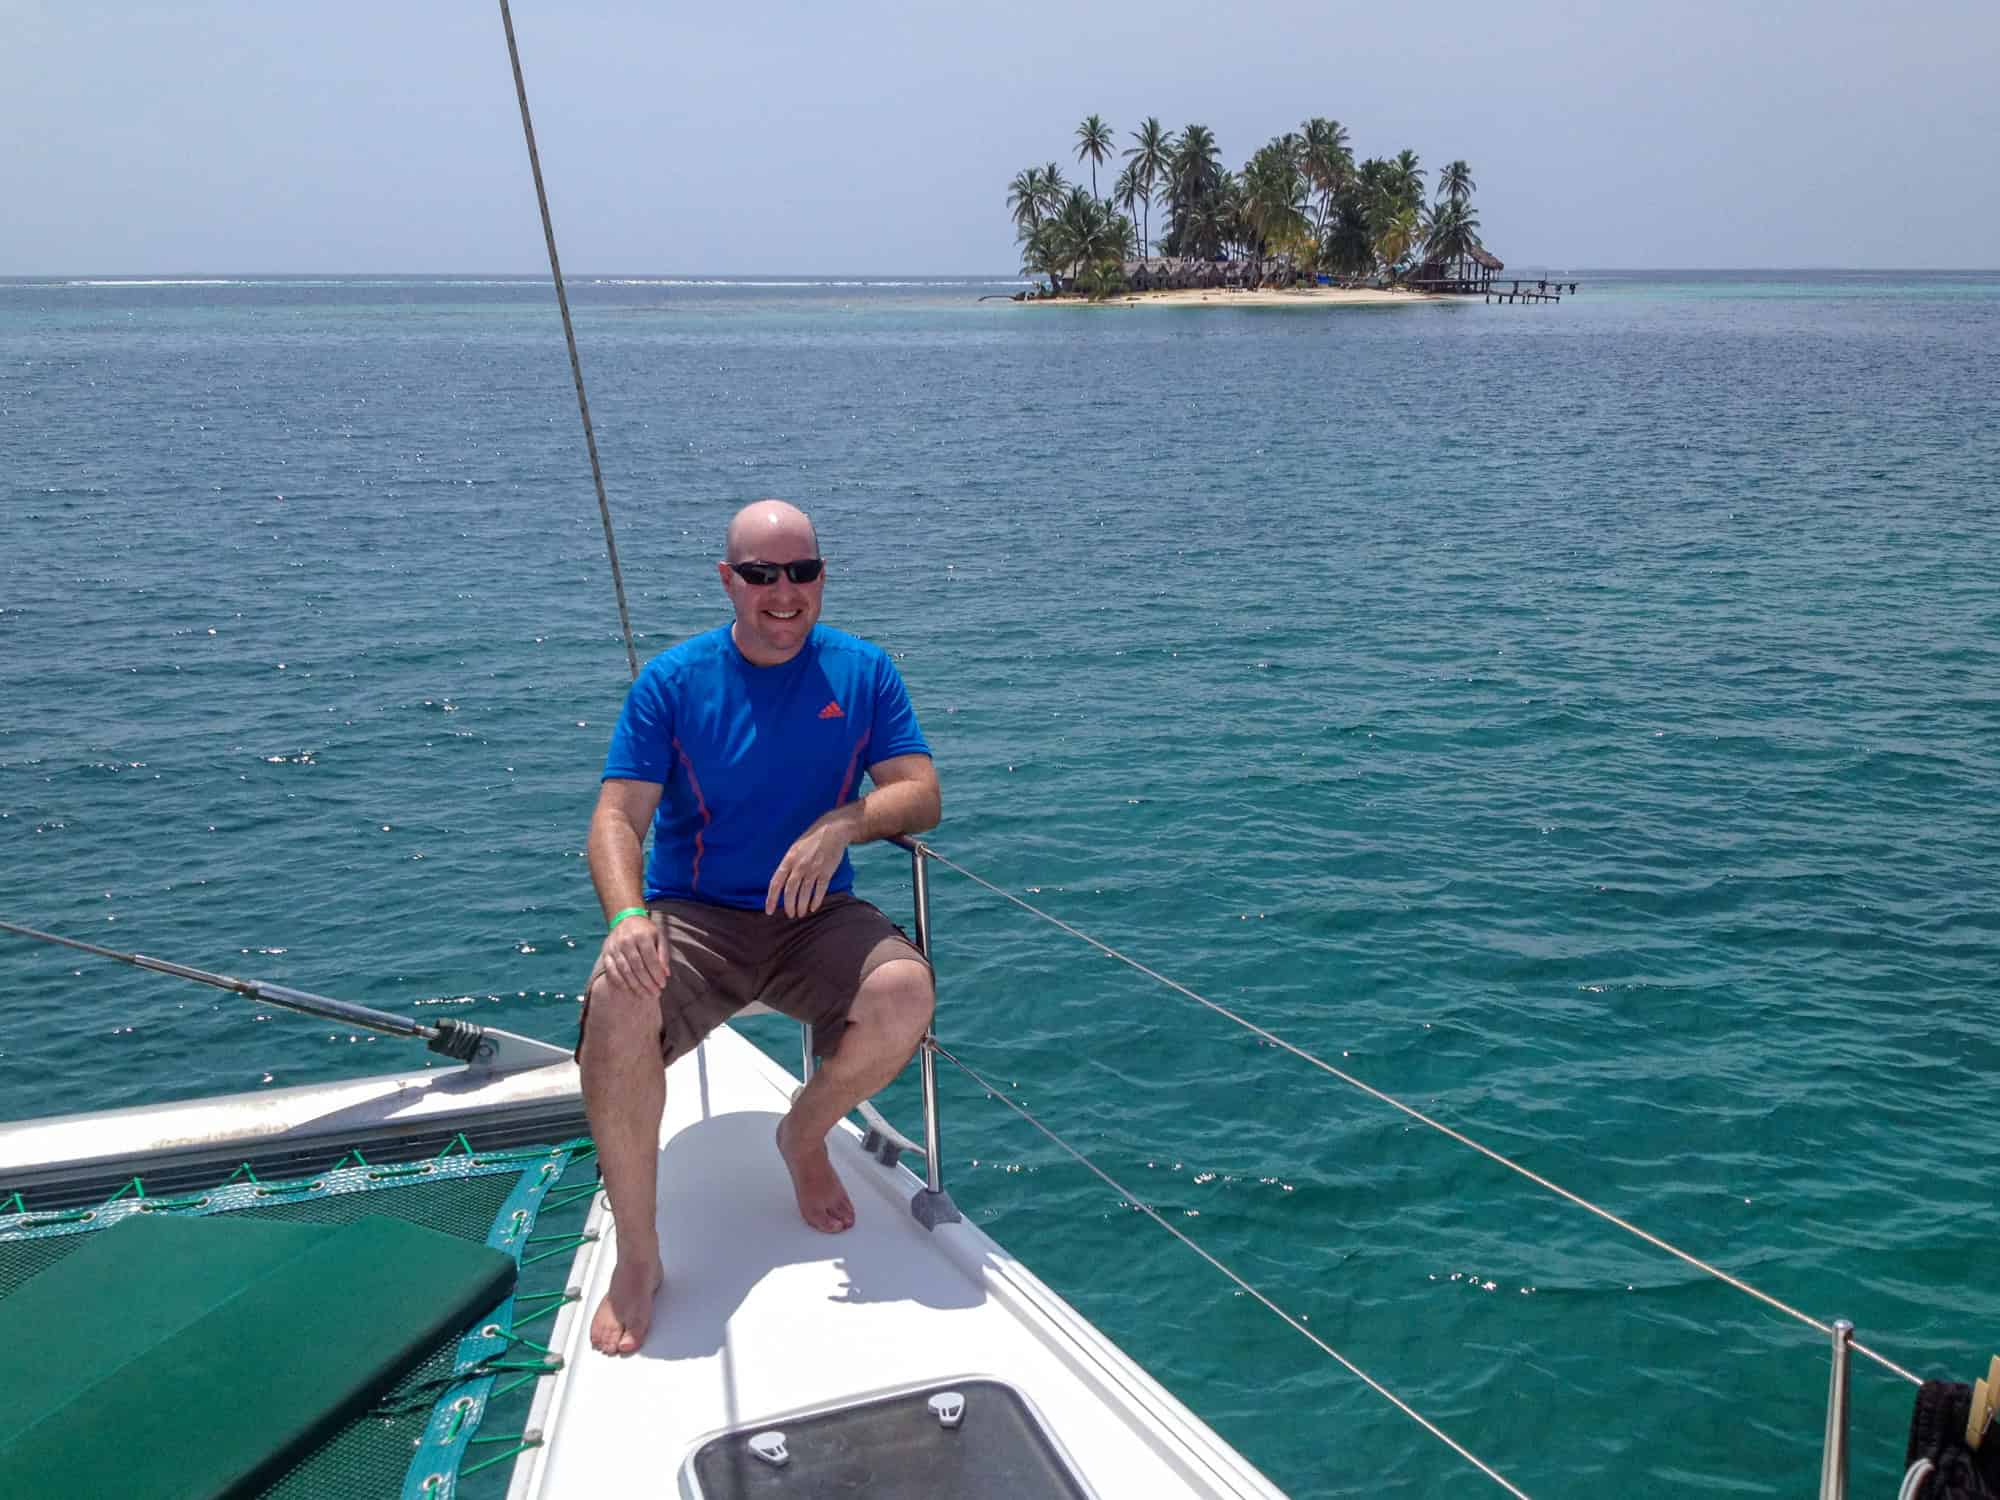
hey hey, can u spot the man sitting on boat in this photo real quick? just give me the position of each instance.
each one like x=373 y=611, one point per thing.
x=741 y=748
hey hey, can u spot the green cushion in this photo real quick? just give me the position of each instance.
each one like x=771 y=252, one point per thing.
x=186 y=1358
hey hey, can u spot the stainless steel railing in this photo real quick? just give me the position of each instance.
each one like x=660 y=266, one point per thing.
x=932 y=1205
x=920 y=887
x=1833 y=1457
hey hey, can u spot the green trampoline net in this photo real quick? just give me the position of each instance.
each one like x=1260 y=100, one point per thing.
x=452 y=1424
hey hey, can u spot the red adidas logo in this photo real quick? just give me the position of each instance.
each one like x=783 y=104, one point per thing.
x=831 y=711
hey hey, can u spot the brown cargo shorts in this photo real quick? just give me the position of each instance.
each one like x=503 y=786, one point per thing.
x=720 y=958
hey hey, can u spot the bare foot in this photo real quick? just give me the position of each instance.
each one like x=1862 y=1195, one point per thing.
x=823 y=1202
x=627 y=1309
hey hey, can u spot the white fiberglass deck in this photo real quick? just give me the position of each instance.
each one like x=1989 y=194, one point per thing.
x=762 y=1317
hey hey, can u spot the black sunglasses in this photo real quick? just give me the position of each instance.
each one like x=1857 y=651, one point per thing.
x=805 y=570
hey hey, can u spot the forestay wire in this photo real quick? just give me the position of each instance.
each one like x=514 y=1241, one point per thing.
x=1418 y=1115
x=994 y=1091
x=569 y=335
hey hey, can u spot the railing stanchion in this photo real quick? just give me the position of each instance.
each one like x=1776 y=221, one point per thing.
x=920 y=886
x=1833 y=1460
x=932 y=1206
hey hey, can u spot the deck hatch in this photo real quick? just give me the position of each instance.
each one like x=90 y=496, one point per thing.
x=894 y=1447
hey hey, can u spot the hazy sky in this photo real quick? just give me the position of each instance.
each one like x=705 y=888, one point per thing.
x=832 y=138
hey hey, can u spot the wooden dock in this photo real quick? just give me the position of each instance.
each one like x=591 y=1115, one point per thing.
x=1517 y=289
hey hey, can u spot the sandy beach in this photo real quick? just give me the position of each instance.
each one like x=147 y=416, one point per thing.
x=1318 y=296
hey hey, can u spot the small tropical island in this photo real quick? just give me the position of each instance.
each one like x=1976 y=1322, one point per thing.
x=1301 y=221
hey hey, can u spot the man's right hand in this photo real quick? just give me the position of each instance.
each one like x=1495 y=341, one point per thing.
x=635 y=955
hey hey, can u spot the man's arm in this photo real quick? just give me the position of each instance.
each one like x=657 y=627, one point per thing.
x=635 y=952
x=905 y=799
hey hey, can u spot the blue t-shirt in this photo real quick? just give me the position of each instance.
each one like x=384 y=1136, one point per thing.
x=748 y=757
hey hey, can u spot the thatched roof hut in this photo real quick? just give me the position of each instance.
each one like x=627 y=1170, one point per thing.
x=1162 y=273
x=1139 y=275
x=1468 y=272
x=1279 y=271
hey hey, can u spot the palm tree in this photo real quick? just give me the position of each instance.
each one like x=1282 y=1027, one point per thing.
x=1328 y=164
x=1349 y=244
x=1090 y=241
x=1205 y=228
x=1274 y=198
x=1114 y=245
x=1408 y=177
x=1197 y=163
x=1127 y=192
x=1054 y=190
x=1462 y=233
x=1394 y=238
x=1379 y=190
x=1293 y=145
x=1194 y=173
x=1093 y=138
x=1024 y=199
x=1234 y=223
x=1456 y=183
x=1451 y=231
x=1042 y=253
x=1150 y=157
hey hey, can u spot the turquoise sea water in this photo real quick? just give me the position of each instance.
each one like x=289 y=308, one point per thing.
x=1582 y=722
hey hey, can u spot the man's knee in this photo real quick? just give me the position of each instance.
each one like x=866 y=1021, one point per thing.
x=898 y=997
x=620 y=1011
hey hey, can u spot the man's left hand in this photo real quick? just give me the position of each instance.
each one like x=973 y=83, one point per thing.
x=804 y=873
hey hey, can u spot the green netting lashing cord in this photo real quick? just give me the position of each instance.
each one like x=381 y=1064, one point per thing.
x=457 y=1386
x=481 y=1372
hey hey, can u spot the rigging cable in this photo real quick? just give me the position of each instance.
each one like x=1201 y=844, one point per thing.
x=1418 y=1115
x=569 y=335
x=993 y=1091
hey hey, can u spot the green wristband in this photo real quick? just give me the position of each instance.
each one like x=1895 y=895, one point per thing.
x=630 y=911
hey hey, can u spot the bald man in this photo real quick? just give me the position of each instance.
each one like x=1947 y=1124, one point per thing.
x=741 y=750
